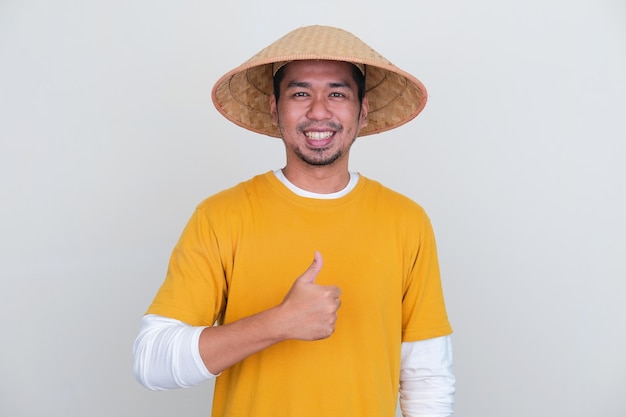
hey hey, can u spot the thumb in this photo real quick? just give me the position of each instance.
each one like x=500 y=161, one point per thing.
x=311 y=272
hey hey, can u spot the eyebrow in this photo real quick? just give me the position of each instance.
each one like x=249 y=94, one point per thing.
x=304 y=84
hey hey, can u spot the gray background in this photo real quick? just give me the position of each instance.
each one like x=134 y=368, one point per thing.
x=109 y=140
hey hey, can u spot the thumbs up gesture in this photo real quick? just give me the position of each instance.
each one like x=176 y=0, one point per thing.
x=310 y=309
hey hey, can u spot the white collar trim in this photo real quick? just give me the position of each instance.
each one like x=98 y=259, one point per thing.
x=354 y=179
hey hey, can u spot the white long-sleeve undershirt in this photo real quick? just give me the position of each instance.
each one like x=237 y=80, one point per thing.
x=166 y=354
x=427 y=382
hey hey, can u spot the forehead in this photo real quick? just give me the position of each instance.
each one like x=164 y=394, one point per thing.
x=320 y=70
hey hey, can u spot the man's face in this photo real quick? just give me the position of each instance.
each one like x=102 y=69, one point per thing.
x=318 y=112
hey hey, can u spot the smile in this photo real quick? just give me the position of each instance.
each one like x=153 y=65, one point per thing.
x=318 y=135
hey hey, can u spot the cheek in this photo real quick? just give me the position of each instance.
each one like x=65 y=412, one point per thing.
x=286 y=118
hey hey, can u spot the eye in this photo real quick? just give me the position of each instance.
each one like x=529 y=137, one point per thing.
x=300 y=94
x=337 y=95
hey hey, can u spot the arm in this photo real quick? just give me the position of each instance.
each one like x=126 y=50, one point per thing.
x=426 y=378
x=307 y=312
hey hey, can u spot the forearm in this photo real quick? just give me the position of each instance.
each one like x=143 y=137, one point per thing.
x=225 y=345
x=170 y=354
x=427 y=379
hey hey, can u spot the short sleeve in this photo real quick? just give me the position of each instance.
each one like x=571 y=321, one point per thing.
x=194 y=290
x=424 y=313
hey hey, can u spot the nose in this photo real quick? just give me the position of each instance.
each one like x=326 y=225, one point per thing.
x=319 y=110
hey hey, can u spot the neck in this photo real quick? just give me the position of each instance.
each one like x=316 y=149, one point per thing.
x=321 y=180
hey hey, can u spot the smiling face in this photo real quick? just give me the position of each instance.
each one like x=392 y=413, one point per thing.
x=319 y=113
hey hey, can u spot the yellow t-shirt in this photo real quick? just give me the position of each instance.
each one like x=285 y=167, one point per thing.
x=241 y=252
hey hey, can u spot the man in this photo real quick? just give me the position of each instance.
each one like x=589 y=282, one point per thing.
x=323 y=285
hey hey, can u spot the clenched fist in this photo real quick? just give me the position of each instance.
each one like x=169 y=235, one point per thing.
x=310 y=310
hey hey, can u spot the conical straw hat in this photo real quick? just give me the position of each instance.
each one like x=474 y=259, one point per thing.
x=242 y=95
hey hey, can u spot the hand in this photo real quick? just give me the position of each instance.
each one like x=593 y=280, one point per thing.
x=310 y=310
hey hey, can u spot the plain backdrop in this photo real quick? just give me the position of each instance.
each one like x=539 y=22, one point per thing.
x=109 y=140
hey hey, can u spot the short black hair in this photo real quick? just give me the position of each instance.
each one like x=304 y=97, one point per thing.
x=358 y=76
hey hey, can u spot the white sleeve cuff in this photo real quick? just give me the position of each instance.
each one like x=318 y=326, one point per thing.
x=427 y=378
x=166 y=354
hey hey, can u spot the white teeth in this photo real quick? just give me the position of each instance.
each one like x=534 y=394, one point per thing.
x=318 y=135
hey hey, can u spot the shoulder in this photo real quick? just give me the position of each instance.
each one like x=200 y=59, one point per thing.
x=235 y=197
x=391 y=199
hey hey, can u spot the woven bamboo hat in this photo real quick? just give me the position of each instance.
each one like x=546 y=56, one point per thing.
x=242 y=95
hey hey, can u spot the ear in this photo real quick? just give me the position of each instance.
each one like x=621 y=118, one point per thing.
x=365 y=107
x=273 y=111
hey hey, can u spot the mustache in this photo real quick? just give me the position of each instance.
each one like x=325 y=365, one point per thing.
x=309 y=125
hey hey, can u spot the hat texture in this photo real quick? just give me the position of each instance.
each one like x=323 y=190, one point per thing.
x=242 y=95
